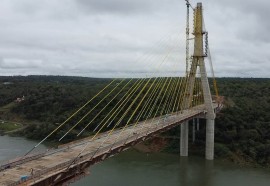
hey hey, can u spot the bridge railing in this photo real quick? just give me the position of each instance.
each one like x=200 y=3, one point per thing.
x=8 y=164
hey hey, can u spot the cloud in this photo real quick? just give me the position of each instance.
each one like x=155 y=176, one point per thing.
x=115 y=6
x=12 y=63
x=121 y=38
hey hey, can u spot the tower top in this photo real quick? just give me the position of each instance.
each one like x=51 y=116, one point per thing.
x=199 y=4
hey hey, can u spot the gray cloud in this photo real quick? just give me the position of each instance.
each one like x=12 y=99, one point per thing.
x=251 y=18
x=116 y=6
x=11 y=63
x=120 y=38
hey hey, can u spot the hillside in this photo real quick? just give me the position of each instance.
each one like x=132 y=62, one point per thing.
x=244 y=127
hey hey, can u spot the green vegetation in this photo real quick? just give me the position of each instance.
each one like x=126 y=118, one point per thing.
x=7 y=107
x=48 y=101
x=242 y=128
x=9 y=126
x=242 y=132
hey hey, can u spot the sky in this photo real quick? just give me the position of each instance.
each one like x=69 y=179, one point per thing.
x=126 y=38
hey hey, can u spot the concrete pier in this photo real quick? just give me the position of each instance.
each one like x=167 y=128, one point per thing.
x=198 y=124
x=184 y=139
x=193 y=130
x=209 y=143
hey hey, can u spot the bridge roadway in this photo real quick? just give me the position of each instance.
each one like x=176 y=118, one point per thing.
x=57 y=166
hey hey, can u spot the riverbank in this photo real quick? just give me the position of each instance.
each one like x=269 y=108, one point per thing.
x=156 y=144
x=9 y=127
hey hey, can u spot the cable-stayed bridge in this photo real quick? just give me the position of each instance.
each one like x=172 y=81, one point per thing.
x=129 y=111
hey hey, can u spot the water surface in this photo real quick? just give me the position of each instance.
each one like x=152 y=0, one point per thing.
x=12 y=147
x=132 y=168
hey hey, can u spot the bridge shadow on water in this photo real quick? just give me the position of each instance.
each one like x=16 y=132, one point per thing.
x=132 y=168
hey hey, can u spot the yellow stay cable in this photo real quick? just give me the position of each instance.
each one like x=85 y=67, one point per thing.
x=168 y=102
x=175 y=106
x=110 y=132
x=182 y=94
x=172 y=89
x=93 y=108
x=70 y=117
x=107 y=105
x=171 y=96
x=103 y=107
x=119 y=104
x=78 y=111
x=126 y=112
x=154 y=102
x=157 y=99
x=134 y=110
x=86 y=127
x=149 y=101
x=164 y=93
x=124 y=103
x=174 y=94
x=132 y=104
x=155 y=88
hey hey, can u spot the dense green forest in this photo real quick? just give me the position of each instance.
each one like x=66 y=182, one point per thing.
x=242 y=128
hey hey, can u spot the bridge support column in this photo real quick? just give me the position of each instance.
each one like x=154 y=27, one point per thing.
x=193 y=130
x=184 y=139
x=209 y=144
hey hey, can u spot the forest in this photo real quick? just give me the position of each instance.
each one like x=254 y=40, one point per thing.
x=242 y=129
x=41 y=103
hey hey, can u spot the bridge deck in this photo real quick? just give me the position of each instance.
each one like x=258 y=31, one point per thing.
x=52 y=162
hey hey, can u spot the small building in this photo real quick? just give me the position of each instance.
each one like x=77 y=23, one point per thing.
x=7 y=83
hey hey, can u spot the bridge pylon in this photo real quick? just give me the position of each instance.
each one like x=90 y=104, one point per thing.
x=198 y=62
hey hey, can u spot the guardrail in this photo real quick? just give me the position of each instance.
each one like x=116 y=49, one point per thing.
x=10 y=164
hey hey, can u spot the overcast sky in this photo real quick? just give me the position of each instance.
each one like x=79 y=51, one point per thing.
x=121 y=38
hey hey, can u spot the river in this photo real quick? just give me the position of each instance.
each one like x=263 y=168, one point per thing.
x=132 y=168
